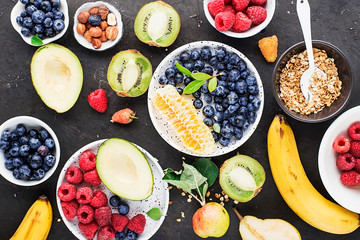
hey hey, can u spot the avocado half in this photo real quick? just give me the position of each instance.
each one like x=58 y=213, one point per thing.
x=124 y=169
x=57 y=76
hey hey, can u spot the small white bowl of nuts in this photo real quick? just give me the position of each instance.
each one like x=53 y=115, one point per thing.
x=98 y=25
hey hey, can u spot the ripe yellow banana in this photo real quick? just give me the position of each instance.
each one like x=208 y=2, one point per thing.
x=37 y=221
x=297 y=190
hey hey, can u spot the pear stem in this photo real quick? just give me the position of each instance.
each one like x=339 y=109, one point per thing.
x=238 y=214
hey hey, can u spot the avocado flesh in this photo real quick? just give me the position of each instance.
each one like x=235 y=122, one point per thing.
x=124 y=169
x=57 y=76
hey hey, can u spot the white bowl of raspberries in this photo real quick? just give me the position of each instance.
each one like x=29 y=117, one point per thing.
x=339 y=159
x=239 y=18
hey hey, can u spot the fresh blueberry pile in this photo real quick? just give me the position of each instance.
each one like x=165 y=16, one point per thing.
x=29 y=154
x=233 y=105
x=41 y=18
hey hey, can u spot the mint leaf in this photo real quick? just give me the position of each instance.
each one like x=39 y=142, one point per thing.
x=36 y=41
x=212 y=84
x=155 y=213
x=216 y=127
x=208 y=169
x=200 y=76
x=183 y=69
x=193 y=86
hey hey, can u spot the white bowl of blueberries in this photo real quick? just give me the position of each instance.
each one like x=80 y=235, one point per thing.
x=29 y=151
x=46 y=19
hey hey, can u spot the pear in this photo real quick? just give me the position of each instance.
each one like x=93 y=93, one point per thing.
x=253 y=228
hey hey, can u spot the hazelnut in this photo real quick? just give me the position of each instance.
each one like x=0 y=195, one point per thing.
x=95 y=31
x=94 y=11
x=111 y=32
x=96 y=43
x=103 y=12
x=87 y=36
x=88 y=26
x=103 y=25
x=103 y=37
x=81 y=28
x=111 y=19
x=83 y=16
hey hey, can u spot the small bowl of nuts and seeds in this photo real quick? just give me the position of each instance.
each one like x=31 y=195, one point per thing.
x=98 y=25
x=330 y=94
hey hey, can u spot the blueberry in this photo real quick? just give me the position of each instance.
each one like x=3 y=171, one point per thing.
x=213 y=61
x=55 y=3
x=48 y=22
x=24 y=150
x=216 y=136
x=253 y=89
x=114 y=201
x=246 y=125
x=45 y=167
x=208 y=122
x=172 y=83
x=34 y=143
x=241 y=65
x=222 y=83
x=178 y=61
x=220 y=52
x=243 y=101
x=231 y=85
x=49 y=32
x=226 y=131
x=187 y=80
x=198 y=103
x=49 y=15
x=208 y=111
x=195 y=55
x=232 y=98
x=7 y=154
x=219 y=116
x=218 y=99
x=208 y=98
x=49 y=142
x=17 y=162
x=250 y=107
x=131 y=235
x=39 y=174
x=37 y=3
x=250 y=80
x=49 y=160
x=123 y=208
x=197 y=94
x=208 y=70
x=13 y=136
x=33 y=133
x=24 y=1
x=45 y=6
x=189 y=65
x=5 y=135
x=59 y=25
x=185 y=57
x=205 y=53
x=24 y=172
x=15 y=144
x=234 y=75
x=219 y=91
x=199 y=65
x=38 y=16
x=226 y=59
x=204 y=88
x=223 y=76
x=20 y=129
x=4 y=145
x=59 y=14
x=94 y=20
x=238 y=121
x=180 y=90
x=9 y=164
x=225 y=103
x=241 y=87
x=170 y=72
x=224 y=141
x=233 y=108
x=14 y=151
x=36 y=161
x=238 y=133
x=244 y=74
x=219 y=107
x=179 y=78
x=194 y=71
x=251 y=117
x=163 y=80
x=243 y=111
x=229 y=67
x=31 y=9
x=19 y=20
x=41 y=36
x=43 y=150
x=256 y=103
x=120 y=235
x=234 y=59
x=23 y=14
x=220 y=66
x=16 y=173
x=25 y=31
x=39 y=28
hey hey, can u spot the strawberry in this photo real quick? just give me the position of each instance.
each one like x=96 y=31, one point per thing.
x=242 y=22
x=98 y=100
x=124 y=116
x=257 y=14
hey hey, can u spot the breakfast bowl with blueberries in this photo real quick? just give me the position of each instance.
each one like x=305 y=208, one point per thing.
x=29 y=151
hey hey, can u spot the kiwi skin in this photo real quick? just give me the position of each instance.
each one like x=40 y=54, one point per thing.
x=254 y=169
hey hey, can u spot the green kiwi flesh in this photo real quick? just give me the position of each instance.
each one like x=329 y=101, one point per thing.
x=241 y=177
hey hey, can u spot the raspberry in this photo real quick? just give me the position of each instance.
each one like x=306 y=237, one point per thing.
x=106 y=233
x=99 y=199
x=240 y=5
x=69 y=208
x=242 y=22
x=103 y=216
x=215 y=7
x=137 y=223
x=74 y=175
x=224 y=21
x=257 y=14
x=92 y=177
x=257 y=2
x=229 y=8
x=88 y=230
x=87 y=161
x=67 y=192
x=123 y=116
x=85 y=214
x=119 y=221
x=345 y=162
x=98 y=100
x=84 y=195
x=227 y=2
x=350 y=178
x=355 y=148
x=341 y=144
x=268 y=47
x=354 y=131
x=357 y=165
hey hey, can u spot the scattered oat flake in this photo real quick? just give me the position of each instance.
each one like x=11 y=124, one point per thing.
x=183 y=194
x=178 y=219
x=207 y=194
x=217 y=195
x=59 y=220
x=190 y=196
x=222 y=199
x=222 y=203
x=189 y=200
x=170 y=187
x=236 y=201
x=182 y=214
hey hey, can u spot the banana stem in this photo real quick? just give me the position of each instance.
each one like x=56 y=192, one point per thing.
x=238 y=214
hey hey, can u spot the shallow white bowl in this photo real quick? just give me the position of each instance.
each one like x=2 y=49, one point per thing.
x=105 y=45
x=19 y=7
x=29 y=122
x=159 y=198
x=270 y=8
x=167 y=132
x=348 y=197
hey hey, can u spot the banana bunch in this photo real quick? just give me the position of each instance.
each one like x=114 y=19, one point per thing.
x=297 y=190
x=37 y=221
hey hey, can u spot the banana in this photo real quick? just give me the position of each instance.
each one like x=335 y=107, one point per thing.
x=37 y=221
x=297 y=190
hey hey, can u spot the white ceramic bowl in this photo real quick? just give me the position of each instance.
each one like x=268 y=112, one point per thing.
x=105 y=45
x=348 y=197
x=270 y=8
x=167 y=132
x=19 y=7
x=159 y=198
x=29 y=122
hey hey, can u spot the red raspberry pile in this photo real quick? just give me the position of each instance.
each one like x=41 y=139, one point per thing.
x=348 y=160
x=237 y=15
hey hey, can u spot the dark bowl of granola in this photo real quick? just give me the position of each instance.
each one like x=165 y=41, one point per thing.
x=330 y=94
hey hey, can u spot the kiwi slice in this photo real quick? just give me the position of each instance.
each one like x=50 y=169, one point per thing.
x=157 y=24
x=241 y=177
x=129 y=73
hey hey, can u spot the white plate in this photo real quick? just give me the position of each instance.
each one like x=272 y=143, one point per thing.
x=167 y=132
x=348 y=197
x=159 y=197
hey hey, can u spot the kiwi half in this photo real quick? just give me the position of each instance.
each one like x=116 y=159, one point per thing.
x=129 y=73
x=157 y=24
x=241 y=177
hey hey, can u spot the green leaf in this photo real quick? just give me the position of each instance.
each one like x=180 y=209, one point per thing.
x=208 y=169
x=183 y=69
x=193 y=86
x=200 y=76
x=212 y=84
x=203 y=189
x=155 y=213
x=36 y=41
x=216 y=127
